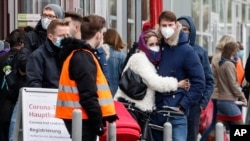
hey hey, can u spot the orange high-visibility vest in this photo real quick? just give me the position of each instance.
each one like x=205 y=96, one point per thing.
x=68 y=95
x=240 y=71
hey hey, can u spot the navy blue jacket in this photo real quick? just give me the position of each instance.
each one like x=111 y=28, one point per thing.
x=203 y=55
x=182 y=62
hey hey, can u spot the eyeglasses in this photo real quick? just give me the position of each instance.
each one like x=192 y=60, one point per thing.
x=153 y=44
x=48 y=16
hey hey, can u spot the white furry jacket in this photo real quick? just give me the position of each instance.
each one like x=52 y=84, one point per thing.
x=140 y=64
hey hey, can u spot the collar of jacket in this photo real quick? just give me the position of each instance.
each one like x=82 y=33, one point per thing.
x=223 y=60
x=53 y=50
x=70 y=44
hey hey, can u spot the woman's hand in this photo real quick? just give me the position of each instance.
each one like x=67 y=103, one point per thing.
x=184 y=84
x=244 y=102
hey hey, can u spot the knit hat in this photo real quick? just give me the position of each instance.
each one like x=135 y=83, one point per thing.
x=146 y=26
x=184 y=22
x=59 y=12
x=4 y=47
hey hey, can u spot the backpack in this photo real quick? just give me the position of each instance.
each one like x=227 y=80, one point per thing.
x=9 y=80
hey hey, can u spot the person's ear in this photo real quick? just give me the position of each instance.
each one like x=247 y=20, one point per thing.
x=78 y=28
x=98 y=35
x=50 y=36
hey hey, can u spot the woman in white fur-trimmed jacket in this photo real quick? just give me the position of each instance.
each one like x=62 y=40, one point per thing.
x=144 y=63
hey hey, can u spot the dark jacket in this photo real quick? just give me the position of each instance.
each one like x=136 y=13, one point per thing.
x=179 y=60
x=32 y=41
x=9 y=97
x=82 y=69
x=247 y=69
x=42 y=69
x=203 y=55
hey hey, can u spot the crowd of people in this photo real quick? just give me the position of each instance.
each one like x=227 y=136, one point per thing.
x=83 y=60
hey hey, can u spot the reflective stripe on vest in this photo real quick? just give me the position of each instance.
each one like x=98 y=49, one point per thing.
x=74 y=91
x=68 y=95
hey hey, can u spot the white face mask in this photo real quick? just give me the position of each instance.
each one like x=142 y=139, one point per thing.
x=167 y=32
x=45 y=23
x=154 y=48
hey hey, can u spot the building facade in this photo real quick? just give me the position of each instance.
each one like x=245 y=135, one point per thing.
x=213 y=18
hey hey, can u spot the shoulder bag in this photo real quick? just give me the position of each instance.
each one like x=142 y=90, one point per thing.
x=132 y=84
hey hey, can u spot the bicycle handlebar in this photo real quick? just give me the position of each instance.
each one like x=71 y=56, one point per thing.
x=166 y=110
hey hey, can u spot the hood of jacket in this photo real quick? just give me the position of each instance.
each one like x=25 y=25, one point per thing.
x=223 y=60
x=192 y=34
x=70 y=44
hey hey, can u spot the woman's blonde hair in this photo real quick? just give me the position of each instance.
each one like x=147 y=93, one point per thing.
x=224 y=40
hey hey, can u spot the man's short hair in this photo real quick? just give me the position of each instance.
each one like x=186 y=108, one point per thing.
x=54 y=23
x=73 y=15
x=240 y=45
x=168 y=16
x=91 y=25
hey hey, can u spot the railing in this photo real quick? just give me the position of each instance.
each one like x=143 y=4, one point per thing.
x=111 y=134
x=77 y=128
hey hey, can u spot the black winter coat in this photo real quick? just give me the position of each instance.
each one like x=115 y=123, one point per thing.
x=32 y=41
x=42 y=69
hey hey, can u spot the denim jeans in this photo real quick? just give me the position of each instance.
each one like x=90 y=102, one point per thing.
x=193 y=122
x=179 y=127
x=12 y=123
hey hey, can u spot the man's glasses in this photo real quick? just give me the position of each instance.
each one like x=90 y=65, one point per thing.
x=48 y=16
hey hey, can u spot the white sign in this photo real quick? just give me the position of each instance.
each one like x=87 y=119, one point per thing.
x=28 y=17
x=38 y=111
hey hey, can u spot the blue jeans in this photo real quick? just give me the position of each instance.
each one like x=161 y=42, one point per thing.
x=179 y=127
x=193 y=122
x=12 y=124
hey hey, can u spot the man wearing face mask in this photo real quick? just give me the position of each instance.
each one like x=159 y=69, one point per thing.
x=188 y=26
x=82 y=73
x=42 y=69
x=178 y=60
x=37 y=37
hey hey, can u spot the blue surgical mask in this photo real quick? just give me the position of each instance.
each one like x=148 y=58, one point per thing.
x=236 y=57
x=241 y=53
x=58 y=42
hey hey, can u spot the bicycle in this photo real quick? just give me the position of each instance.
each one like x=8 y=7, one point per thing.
x=144 y=121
